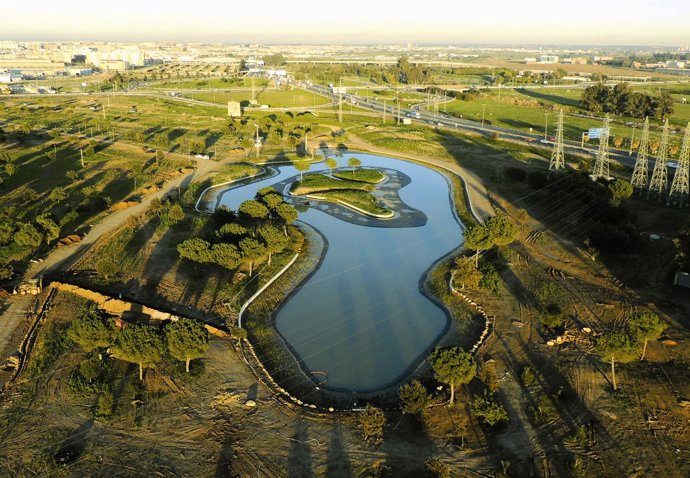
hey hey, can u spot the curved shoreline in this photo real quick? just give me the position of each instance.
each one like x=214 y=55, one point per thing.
x=388 y=393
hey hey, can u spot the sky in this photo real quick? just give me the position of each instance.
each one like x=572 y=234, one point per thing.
x=582 y=22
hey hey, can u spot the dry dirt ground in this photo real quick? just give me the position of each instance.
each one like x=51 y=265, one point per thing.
x=564 y=422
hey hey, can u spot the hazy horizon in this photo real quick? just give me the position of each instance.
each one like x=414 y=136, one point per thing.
x=533 y=22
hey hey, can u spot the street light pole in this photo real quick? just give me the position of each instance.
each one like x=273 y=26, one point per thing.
x=483 y=109
x=546 y=124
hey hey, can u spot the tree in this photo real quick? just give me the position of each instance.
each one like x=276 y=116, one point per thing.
x=272 y=200
x=371 y=422
x=226 y=255
x=478 y=238
x=286 y=213
x=414 y=398
x=489 y=410
x=646 y=326
x=58 y=194
x=274 y=240
x=502 y=229
x=546 y=293
x=232 y=229
x=466 y=272
x=28 y=236
x=107 y=266
x=196 y=250
x=616 y=346
x=175 y=214
x=251 y=250
x=140 y=344
x=331 y=164
x=302 y=167
x=91 y=330
x=51 y=231
x=453 y=366
x=620 y=189
x=253 y=209
x=187 y=339
x=354 y=163
x=552 y=316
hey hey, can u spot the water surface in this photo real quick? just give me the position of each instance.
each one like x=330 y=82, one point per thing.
x=361 y=317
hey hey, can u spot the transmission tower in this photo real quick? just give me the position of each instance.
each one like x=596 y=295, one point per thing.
x=641 y=173
x=557 y=157
x=601 y=166
x=681 y=180
x=660 y=173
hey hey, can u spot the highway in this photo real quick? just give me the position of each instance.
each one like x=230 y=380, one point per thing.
x=441 y=120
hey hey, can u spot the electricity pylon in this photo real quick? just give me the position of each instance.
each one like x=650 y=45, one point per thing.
x=601 y=166
x=557 y=157
x=681 y=180
x=660 y=173
x=641 y=173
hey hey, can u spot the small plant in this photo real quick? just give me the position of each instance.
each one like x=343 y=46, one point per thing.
x=489 y=410
x=438 y=467
x=528 y=376
x=105 y=405
x=371 y=422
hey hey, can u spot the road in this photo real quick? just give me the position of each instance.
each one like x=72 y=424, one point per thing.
x=65 y=257
x=441 y=120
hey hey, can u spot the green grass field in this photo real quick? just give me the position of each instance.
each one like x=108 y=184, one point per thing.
x=270 y=97
x=359 y=199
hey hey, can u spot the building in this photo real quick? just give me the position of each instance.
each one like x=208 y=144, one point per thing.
x=79 y=71
x=113 y=65
x=675 y=64
x=530 y=60
x=234 y=109
x=548 y=59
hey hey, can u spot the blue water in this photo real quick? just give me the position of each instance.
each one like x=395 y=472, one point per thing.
x=361 y=317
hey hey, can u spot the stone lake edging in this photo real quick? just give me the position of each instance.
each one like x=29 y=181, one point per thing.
x=480 y=309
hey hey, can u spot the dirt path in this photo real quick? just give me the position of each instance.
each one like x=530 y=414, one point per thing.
x=477 y=195
x=65 y=257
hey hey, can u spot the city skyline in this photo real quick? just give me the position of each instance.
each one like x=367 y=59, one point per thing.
x=357 y=22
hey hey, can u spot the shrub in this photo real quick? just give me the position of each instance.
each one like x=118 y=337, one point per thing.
x=528 y=376
x=414 y=398
x=438 y=467
x=489 y=410
x=371 y=423
x=104 y=409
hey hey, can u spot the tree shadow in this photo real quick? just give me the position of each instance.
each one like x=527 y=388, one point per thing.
x=338 y=463
x=300 y=456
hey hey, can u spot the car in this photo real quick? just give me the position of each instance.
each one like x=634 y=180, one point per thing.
x=672 y=164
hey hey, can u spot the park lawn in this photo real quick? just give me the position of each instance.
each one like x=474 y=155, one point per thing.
x=233 y=171
x=273 y=98
x=318 y=183
x=359 y=199
x=366 y=175
x=193 y=84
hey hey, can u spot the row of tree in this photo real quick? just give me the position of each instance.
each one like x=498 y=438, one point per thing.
x=452 y=366
x=256 y=231
x=622 y=101
x=145 y=345
x=629 y=343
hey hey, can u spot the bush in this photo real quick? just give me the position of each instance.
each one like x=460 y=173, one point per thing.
x=438 y=467
x=414 y=398
x=489 y=410
x=105 y=405
x=371 y=423
x=552 y=317
x=528 y=376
